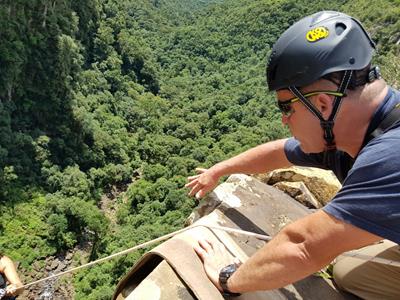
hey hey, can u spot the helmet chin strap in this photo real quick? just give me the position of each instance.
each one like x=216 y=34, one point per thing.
x=327 y=125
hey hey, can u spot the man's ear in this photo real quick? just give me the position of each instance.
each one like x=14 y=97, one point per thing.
x=324 y=104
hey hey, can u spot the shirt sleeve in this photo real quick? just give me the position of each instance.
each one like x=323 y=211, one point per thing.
x=297 y=157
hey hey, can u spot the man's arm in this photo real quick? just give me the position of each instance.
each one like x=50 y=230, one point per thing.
x=7 y=267
x=300 y=249
x=263 y=158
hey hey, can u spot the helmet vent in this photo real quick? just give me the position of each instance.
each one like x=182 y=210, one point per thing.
x=340 y=28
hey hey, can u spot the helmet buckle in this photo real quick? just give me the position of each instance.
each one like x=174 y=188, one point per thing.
x=374 y=73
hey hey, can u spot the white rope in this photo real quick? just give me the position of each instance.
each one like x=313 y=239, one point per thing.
x=226 y=229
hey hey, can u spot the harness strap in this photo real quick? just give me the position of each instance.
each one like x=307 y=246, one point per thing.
x=392 y=118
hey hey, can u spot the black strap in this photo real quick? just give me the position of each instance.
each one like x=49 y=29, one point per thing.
x=327 y=125
x=307 y=103
x=342 y=89
x=391 y=119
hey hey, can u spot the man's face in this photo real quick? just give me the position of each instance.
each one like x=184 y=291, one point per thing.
x=303 y=125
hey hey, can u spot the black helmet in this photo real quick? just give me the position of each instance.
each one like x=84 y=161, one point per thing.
x=317 y=45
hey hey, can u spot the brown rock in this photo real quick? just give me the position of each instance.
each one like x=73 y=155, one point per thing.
x=52 y=266
x=300 y=192
x=69 y=256
x=321 y=183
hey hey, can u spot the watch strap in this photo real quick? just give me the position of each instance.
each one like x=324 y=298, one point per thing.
x=224 y=276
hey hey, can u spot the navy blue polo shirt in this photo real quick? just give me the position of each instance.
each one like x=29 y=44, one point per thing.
x=370 y=193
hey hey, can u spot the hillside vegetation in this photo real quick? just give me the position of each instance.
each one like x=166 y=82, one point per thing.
x=107 y=105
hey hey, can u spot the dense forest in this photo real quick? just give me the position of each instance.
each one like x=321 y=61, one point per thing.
x=106 y=106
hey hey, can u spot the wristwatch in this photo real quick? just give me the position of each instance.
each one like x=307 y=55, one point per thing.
x=224 y=275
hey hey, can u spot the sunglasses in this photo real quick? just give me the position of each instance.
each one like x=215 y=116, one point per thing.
x=286 y=106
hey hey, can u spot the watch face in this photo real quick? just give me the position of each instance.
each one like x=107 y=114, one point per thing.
x=231 y=268
x=226 y=272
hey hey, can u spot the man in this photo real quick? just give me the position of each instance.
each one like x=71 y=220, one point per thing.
x=334 y=103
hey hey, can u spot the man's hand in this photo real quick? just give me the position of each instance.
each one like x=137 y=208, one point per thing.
x=202 y=183
x=12 y=290
x=214 y=256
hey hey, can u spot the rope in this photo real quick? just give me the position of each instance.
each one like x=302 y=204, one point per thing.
x=226 y=229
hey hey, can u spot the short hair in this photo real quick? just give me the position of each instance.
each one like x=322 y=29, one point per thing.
x=359 y=77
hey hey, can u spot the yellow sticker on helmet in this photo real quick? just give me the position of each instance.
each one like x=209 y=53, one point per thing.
x=317 y=34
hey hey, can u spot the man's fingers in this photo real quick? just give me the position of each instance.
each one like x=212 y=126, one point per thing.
x=192 y=183
x=206 y=245
x=200 y=252
x=200 y=170
x=219 y=248
x=195 y=189
x=191 y=178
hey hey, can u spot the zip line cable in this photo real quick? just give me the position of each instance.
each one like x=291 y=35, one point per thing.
x=226 y=229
